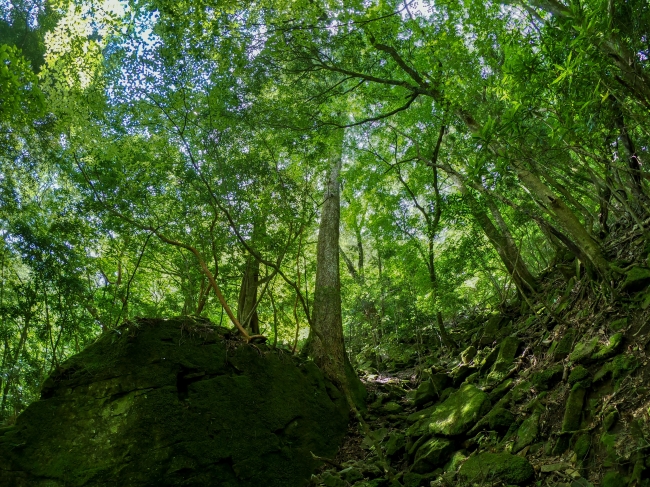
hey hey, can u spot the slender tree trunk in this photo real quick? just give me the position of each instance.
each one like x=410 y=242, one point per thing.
x=247 y=304
x=326 y=342
x=505 y=247
x=567 y=219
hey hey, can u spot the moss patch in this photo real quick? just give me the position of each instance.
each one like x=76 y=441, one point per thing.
x=489 y=467
x=573 y=409
x=433 y=453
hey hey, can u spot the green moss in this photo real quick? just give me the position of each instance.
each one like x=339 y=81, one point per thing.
x=613 y=479
x=621 y=323
x=500 y=419
x=610 y=349
x=618 y=367
x=636 y=279
x=507 y=353
x=583 y=350
x=582 y=446
x=468 y=354
x=433 y=453
x=610 y=420
x=565 y=345
x=573 y=409
x=547 y=378
x=395 y=444
x=459 y=412
x=527 y=433
x=168 y=400
x=578 y=374
x=501 y=390
x=456 y=461
x=490 y=467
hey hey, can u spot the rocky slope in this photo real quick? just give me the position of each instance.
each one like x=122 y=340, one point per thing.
x=175 y=402
x=558 y=396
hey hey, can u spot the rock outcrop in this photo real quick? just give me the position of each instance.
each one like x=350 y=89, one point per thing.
x=175 y=402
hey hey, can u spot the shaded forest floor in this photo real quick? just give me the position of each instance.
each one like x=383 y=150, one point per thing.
x=557 y=393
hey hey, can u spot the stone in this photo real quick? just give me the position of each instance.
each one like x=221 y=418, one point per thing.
x=578 y=374
x=500 y=419
x=618 y=367
x=527 y=433
x=351 y=474
x=490 y=467
x=547 y=378
x=573 y=409
x=395 y=444
x=581 y=447
x=507 y=353
x=461 y=373
x=158 y=402
x=583 y=350
x=636 y=279
x=432 y=454
x=456 y=460
x=565 y=345
x=457 y=414
x=501 y=390
x=330 y=480
x=613 y=479
x=468 y=354
x=554 y=467
x=489 y=360
x=426 y=392
x=392 y=407
x=610 y=420
x=607 y=351
x=491 y=330
x=621 y=323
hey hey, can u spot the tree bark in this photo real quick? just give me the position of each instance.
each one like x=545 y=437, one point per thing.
x=247 y=303
x=326 y=343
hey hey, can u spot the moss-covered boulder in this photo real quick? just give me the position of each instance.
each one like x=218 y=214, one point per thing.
x=468 y=354
x=431 y=389
x=455 y=416
x=174 y=402
x=433 y=453
x=545 y=379
x=573 y=409
x=583 y=350
x=527 y=432
x=609 y=349
x=636 y=279
x=507 y=353
x=565 y=345
x=489 y=467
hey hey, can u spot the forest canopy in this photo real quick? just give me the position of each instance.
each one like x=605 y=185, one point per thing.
x=167 y=158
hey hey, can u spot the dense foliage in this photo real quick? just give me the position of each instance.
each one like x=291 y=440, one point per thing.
x=147 y=146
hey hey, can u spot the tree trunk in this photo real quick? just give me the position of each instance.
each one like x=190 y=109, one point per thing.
x=247 y=303
x=506 y=247
x=565 y=217
x=326 y=341
x=248 y=292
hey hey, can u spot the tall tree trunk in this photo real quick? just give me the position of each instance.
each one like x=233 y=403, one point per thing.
x=248 y=292
x=247 y=303
x=326 y=342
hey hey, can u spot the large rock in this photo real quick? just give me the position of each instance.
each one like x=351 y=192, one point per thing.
x=507 y=352
x=486 y=468
x=432 y=454
x=173 y=402
x=455 y=416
